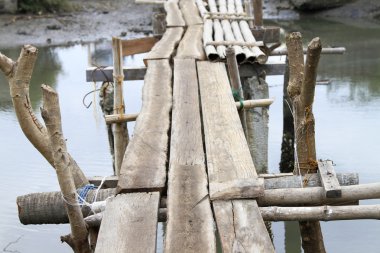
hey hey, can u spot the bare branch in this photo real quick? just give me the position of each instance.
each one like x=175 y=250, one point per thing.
x=312 y=59
x=296 y=63
x=6 y=65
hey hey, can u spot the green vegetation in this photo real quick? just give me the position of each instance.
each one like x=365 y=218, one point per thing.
x=43 y=6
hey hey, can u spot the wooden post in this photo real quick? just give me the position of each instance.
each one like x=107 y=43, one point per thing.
x=301 y=88
x=258 y=13
x=287 y=145
x=120 y=130
x=237 y=91
x=18 y=75
x=52 y=116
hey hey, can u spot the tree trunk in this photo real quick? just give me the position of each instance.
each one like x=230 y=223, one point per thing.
x=18 y=75
x=301 y=91
x=52 y=116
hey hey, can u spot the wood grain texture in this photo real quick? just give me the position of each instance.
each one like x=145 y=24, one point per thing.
x=239 y=222
x=190 y=224
x=191 y=46
x=241 y=227
x=144 y=164
x=138 y=46
x=329 y=179
x=106 y=74
x=190 y=12
x=129 y=224
x=165 y=48
x=174 y=16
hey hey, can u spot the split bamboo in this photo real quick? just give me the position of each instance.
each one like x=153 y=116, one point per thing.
x=51 y=114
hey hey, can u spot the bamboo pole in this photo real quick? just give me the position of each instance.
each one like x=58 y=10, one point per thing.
x=233 y=42
x=218 y=31
x=261 y=58
x=52 y=116
x=258 y=13
x=247 y=104
x=228 y=17
x=302 y=93
x=18 y=75
x=237 y=91
x=210 y=50
x=325 y=50
x=120 y=130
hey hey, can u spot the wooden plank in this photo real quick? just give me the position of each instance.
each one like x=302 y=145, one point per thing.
x=247 y=188
x=165 y=48
x=329 y=179
x=105 y=74
x=138 y=46
x=144 y=164
x=239 y=222
x=271 y=69
x=173 y=14
x=191 y=46
x=190 y=224
x=129 y=224
x=190 y=12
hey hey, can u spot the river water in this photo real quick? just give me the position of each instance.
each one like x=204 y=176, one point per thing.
x=347 y=113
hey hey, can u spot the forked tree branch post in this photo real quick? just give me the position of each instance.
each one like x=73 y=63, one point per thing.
x=301 y=88
x=51 y=114
x=18 y=75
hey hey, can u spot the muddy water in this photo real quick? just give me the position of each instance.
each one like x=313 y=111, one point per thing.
x=347 y=119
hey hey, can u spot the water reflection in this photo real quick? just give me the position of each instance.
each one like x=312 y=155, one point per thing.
x=46 y=69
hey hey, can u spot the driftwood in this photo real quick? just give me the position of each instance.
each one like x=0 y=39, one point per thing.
x=301 y=89
x=120 y=130
x=48 y=207
x=51 y=114
x=18 y=75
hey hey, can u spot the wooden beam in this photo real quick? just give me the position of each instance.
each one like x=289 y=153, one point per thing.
x=190 y=13
x=173 y=14
x=144 y=164
x=191 y=46
x=258 y=13
x=95 y=74
x=329 y=180
x=117 y=118
x=164 y=49
x=190 y=224
x=271 y=69
x=129 y=224
x=228 y=158
x=138 y=46
x=320 y=213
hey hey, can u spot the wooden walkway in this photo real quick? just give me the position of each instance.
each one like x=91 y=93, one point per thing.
x=187 y=104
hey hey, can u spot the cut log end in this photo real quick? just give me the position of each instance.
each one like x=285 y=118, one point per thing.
x=213 y=57
x=29 y=49
x=262 y=59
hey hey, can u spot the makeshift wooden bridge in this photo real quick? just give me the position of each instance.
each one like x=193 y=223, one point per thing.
x=188 y=162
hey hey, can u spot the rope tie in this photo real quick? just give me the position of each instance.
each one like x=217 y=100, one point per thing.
x=83 y=191
x=237 y=97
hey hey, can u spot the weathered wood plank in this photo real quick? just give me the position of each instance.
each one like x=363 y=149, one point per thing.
x=164 y=49
x=191 y=45
x=247 y=188
x=239 y=222
x=329 y=179
x=144 y=164
x=190 y=12
x=190 y=225
x=241 y=227
x=138 y=46
x=173 y=14
x=95 y=74
x=129 y=224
